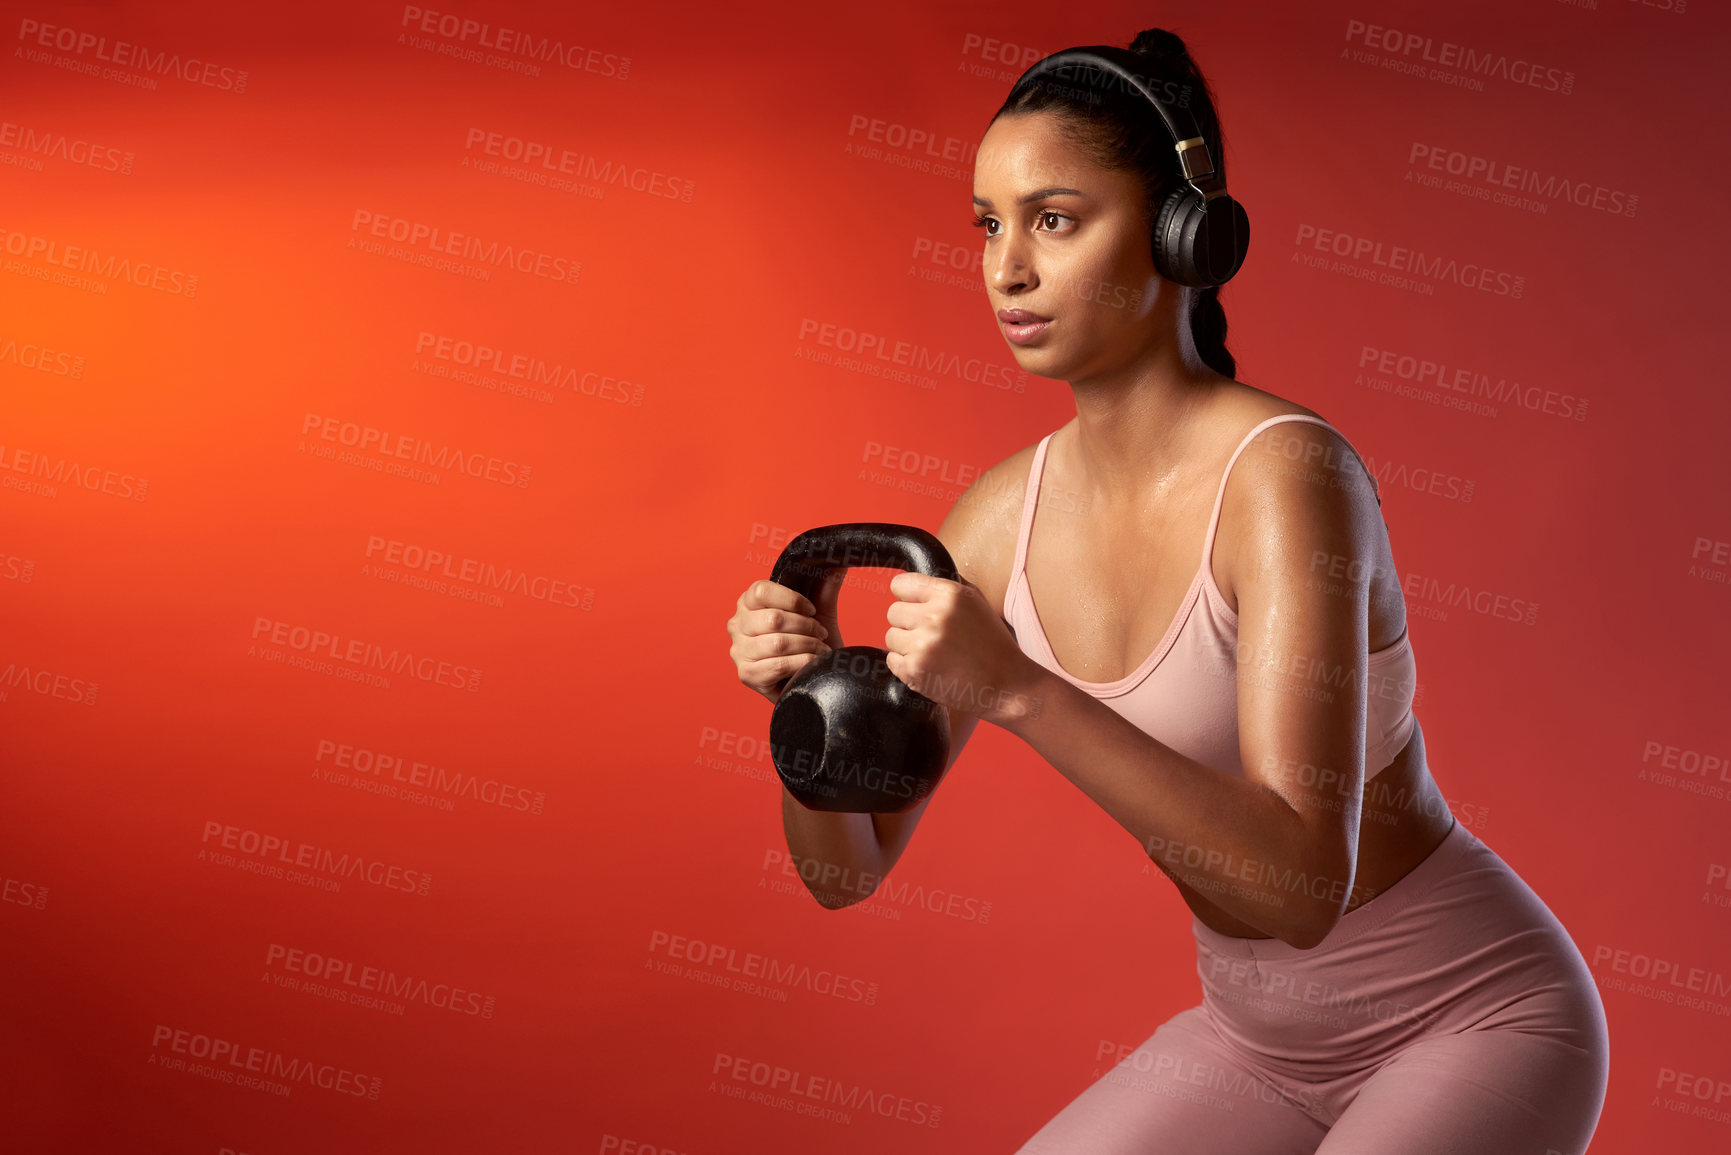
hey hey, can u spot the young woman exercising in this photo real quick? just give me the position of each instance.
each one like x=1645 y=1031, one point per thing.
x=1206 y=635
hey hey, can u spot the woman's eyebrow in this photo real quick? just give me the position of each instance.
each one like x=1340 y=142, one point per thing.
x=1036 y=195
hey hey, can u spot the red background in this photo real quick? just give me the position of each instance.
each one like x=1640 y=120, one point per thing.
x=143 y=709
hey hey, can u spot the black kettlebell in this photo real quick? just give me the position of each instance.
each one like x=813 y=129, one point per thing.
x=847 y=735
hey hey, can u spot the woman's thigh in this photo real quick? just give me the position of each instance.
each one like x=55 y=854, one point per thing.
x=1180 y=1091
x=1465 y=1094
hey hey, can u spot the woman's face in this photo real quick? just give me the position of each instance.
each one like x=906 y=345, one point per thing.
x=1067 y=240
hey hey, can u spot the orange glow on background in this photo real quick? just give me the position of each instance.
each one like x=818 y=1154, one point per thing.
x=257 y=446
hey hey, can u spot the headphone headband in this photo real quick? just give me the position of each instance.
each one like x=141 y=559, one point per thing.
x=1191 y=244
x=1104 y=67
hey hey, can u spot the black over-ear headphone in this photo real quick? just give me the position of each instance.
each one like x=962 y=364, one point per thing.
x=1200 y=234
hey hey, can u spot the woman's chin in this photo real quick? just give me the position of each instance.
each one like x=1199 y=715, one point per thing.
x=1040 y=360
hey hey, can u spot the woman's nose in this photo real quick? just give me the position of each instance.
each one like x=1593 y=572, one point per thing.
x=1007 y=267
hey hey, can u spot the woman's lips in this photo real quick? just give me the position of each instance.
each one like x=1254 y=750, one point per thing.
x=1022 y=332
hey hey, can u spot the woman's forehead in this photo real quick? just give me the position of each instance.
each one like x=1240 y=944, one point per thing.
x=1025 y=156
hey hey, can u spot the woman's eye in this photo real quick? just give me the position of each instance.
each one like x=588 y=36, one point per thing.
x=1049 y=215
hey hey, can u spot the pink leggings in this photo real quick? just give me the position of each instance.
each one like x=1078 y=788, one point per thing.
x=1450 y=1015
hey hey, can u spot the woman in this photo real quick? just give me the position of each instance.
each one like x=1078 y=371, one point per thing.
x=1206 y=636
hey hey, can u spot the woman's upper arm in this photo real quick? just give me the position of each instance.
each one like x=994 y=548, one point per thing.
x=1310 y=535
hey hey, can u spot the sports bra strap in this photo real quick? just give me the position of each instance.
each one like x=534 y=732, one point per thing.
x=1220 y=494
x=1029 y=500
x=1038 y=468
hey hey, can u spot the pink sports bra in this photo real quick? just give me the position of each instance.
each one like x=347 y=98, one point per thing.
x=1186 y=692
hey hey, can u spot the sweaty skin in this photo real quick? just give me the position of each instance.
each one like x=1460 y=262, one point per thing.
x=1126 y=495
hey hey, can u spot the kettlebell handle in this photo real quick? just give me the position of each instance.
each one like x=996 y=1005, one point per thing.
x=809 y=557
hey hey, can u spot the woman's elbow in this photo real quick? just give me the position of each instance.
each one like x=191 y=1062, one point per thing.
x=1310 y=934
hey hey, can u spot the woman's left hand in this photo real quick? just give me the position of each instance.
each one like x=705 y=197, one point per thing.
x=945 y=642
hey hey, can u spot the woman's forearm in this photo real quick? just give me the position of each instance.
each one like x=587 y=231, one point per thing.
x=1237 y=842
x=836 y=854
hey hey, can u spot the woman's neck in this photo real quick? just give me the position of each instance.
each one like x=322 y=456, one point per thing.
x=1132 y=431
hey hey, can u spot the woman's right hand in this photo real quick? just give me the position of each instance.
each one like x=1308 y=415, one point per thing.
x=776 y=632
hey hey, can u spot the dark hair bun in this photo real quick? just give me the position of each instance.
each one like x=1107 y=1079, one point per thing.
x=1159 y=44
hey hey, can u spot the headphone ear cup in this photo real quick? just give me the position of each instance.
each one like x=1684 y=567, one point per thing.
x=1219 y=241
x=1199 y=248
x=1168 y=237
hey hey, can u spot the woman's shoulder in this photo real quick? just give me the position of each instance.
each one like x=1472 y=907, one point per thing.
x=1246 y=421
x=1302 y=472
x=1244 y=407
x=985 y=522
x=1249 y=421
